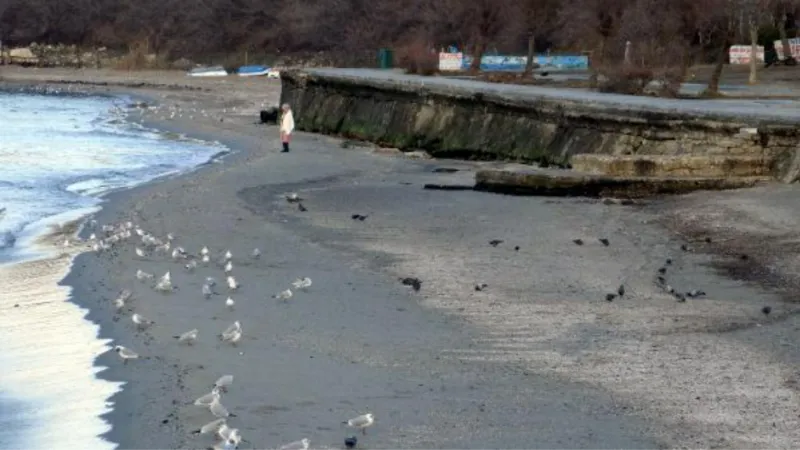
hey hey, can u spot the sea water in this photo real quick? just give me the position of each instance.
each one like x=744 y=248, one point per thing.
x=58 y=155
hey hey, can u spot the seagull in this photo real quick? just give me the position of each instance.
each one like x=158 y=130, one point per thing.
x=141 y=322
x=233 y=333
x=302 y=444
x=232 y=285
x=205 y=259
x=302 y=283
x=125 y=353
x=284 y=295
x=164 y=283
x=142 y=275
x=223 y=382
x=256 y=253
x=191 y=265
x=228 y=255
x=228 y=267
x=170 y=237
x=206 y=399
x=210 y=427
x=188 y=337
x=204 y=251
x=227 y=433
x=207 y=292
x=211 y=281
x=218 y=409
x=125 y=294
x=119 y=303
x=293 y=198
x=361 y=422
x=229 y=303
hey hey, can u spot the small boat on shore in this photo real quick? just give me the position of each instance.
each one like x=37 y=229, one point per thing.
x=211 y=71
x=252 y=71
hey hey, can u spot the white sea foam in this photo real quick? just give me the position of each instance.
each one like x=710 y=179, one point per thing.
x=57 y=157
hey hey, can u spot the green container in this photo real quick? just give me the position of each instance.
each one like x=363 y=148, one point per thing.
x=385 y=58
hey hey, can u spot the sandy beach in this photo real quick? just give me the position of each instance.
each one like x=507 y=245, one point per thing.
x=536 y=359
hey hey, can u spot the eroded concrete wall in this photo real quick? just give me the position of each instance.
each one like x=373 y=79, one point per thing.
x=468 y=123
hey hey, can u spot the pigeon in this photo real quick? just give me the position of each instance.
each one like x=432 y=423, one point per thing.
x=481 y=286
x=668 y=262
x=256 y=253
x=301 y=208
x=360 y=217
x=125 y=353
x=228 y=267
x=578 y=241
x=188 y=337
x=302 y=444
x=662 y=270
x=350 y=442
x=229 y=303
x=207 y=291
x=610 y=297
x=293 y=198
x=141 y=322
x=191 y=265
x=605 y=242
x=621 y=290
x=223 y=382
x=415 y=283
x=495 y=242
x=361 y=422
x=766 y=310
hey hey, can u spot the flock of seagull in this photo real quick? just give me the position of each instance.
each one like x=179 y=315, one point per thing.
x=148 y=245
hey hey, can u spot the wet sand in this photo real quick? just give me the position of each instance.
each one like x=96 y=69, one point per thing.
x=537 y=359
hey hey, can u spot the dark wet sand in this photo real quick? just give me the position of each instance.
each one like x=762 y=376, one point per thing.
x=539 y=359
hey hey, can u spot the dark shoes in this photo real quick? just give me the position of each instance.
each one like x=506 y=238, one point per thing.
x=285 y=148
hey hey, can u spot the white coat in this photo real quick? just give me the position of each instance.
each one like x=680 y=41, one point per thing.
x=287 y=122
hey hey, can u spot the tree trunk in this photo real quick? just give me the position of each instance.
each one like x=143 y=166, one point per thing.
x=628 y=53
x=787 y=49
x=713 y=84
x=597 y=62
x=531 y=54
x=753 y=52
x=480 y=49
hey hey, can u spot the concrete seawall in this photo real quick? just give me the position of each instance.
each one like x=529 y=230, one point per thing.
x=476 y=120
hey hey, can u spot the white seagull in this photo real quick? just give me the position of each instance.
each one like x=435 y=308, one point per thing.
x=141 y=321
x=206 y=399
x=165 y=283
x=125 y=353
x=302 y=283
x=223 y=382
x=284 y=295
x=232 y=284
x=361 y=422
x=143 y=276
x=302 y=444
x=228 y=267
x=256 y=253
x=229 y=303
x=188 y=337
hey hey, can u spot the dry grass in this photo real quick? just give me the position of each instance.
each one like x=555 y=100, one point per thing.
x=417 y=58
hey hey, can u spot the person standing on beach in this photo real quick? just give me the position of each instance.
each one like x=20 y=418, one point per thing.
x=287 y=126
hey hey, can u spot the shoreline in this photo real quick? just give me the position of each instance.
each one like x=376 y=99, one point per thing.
x=536 y=355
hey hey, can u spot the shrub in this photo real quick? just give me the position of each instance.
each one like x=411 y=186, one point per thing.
x=624 y=79
x=416 y=57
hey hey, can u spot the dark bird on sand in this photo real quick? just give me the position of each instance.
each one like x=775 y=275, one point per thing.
x=481 y=286
x=301 y=207
x=708 y=240
x=445 y=170
x=360 y=217
x=685 y=247
x=610 y=297
x=694 y=293
x=516 y=248
x=605 y=242
x=269 y=115
x=766 y=310
x=495 y=242
x=415 y=283
x=293 y=198
x=743 y=257
x=621 y=290
x=681 y=298
x=578 y=241
x=662 y=270
x=351 y=442
x=661 y=280
x=669 y=262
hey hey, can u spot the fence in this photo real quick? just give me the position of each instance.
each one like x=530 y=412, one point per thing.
x=459 y=61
